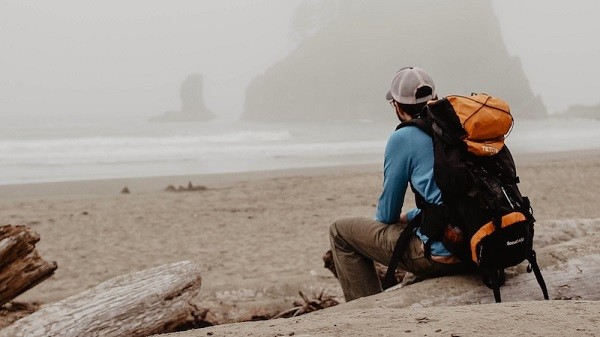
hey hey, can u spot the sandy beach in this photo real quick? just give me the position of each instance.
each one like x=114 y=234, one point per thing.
x=259 y=239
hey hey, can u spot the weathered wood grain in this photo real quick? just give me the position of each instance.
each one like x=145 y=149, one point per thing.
x=139 y=304
x=21 y=267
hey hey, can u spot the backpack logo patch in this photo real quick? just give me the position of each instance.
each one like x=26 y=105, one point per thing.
x=489 y=149
x=512 y=243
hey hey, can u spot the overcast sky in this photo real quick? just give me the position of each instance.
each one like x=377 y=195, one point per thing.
x=130 y=56
x=78 y=57
x=557 y=42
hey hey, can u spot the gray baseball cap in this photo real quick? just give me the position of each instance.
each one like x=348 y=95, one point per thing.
x=405 y=84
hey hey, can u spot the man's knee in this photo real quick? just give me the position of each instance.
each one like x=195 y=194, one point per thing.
x=339 y=227
x=333 y=230
x=340 y=232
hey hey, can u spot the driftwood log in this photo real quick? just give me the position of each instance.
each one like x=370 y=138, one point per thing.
x=569 y=256
x=148 y=302
x=21 y=267
x=575 y=279
x=568 y=252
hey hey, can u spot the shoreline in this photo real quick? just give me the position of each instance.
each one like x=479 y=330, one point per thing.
x=112 y=186
x=147 y=184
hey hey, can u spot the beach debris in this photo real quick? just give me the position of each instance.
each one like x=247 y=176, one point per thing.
x=12 y=311
x=189 y=188
x=203 y=317
x=125 y=190
x=21 y=267
x=307 y=305
x=157 y=301
x=199 y=318
x=259 y=314
x=328 y=262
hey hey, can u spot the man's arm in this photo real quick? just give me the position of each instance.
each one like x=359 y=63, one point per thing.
x=396 y=174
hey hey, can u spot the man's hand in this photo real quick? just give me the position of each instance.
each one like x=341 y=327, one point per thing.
x=403 y=218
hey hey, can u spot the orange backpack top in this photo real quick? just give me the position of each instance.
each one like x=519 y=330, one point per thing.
x=486 y=120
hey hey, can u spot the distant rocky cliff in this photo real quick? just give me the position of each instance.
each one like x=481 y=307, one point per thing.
x=343 y=71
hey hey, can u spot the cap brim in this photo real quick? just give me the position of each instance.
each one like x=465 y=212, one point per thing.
x=389 y=96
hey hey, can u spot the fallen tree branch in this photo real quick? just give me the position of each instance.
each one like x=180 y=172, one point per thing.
x=307 y=305
x=21 y=267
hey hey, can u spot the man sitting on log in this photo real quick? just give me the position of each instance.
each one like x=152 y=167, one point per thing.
x=356 y=242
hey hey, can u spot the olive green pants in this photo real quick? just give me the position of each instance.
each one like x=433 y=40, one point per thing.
x=356 y=242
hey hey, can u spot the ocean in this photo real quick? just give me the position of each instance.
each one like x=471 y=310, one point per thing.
x=67 y=149
x=34 y=150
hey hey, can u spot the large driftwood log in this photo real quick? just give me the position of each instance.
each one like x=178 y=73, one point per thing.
x=570 y=269
x=568 y=252
x=576 y=279
x=21 y=267
x=148 y=302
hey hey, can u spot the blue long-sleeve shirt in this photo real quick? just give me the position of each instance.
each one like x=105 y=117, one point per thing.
x=408 y=158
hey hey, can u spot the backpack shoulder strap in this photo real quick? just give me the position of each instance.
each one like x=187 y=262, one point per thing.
x=390 y=277
x=419 y=122
x=424 y=126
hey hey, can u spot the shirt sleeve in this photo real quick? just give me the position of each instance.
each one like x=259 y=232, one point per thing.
x=412 y=214
x=396 y=174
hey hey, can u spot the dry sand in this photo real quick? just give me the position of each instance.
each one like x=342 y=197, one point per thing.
x=259 y=239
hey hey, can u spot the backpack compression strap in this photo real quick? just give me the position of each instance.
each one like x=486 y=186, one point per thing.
x=390 y=276
x=538 y=274
x=494 y=279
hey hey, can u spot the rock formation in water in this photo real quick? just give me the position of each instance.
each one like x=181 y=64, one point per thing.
x=192 y=102
x=580 y=111
x=343 y=71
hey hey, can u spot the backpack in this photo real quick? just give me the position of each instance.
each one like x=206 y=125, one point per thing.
x=484 y=218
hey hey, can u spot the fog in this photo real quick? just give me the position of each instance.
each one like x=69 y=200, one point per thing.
x=129 y=58
x=557 y=44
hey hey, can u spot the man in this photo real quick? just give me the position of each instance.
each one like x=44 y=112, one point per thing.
x=357 y=242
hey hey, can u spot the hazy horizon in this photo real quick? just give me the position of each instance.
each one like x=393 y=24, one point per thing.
x=78 y=58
